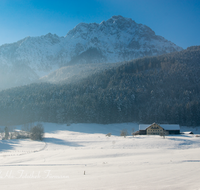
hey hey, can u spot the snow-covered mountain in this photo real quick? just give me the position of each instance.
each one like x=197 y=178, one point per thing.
x=117 y=39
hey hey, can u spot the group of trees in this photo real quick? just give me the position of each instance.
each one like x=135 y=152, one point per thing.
x=34 y=132
x=163 y=89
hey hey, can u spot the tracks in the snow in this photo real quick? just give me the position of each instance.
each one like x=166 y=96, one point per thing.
x=20 y=153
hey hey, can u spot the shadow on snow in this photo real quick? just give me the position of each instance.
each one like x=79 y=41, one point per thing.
x=60 y=142
x=7 y=145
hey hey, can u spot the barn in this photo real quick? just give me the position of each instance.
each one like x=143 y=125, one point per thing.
x=157 y=129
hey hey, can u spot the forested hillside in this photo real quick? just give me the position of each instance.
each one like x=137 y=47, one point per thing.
x=163 y=89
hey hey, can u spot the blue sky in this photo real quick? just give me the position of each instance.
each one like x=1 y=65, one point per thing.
x=176 y=20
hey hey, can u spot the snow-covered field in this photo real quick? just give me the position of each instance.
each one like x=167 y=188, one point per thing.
x=81 y=156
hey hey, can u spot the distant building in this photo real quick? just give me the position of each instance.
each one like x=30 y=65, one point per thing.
x=157 y=129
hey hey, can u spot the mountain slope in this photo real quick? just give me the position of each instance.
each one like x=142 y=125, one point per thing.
x=117 y=39
x=163 y=89
x=76 y=72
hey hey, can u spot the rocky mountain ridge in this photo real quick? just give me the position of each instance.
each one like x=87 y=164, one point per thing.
x=115 y=40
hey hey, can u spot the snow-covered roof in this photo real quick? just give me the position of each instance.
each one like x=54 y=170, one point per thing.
x=170 y=126
x=164 y=126
x=143 y=126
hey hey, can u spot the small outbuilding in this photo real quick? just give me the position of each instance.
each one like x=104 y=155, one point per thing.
x=188 y=132
x=157 y=129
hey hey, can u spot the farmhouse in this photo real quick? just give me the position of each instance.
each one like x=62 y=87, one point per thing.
x=157 y=129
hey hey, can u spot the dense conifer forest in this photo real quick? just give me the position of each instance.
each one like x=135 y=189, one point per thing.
x=163 y=89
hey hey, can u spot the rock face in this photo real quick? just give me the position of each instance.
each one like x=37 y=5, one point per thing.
x=117 y=39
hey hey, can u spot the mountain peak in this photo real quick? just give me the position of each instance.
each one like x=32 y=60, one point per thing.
x=119 y=17
x=50 y=35
x=116 y=17
x=114 y=40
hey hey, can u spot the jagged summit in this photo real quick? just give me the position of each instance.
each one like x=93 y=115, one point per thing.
x=114 y=40
x=117 y=39
x=120 y=20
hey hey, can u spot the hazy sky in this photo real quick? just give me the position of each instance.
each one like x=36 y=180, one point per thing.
x=176 y=20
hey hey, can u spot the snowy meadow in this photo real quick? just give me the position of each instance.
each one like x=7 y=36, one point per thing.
x=82 y=156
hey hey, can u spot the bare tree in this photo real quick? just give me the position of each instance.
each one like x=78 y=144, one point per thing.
x=37 y=132
x=6 y=132
x=133 y=132
x=164 y=133
x=124 y=133
x=108 y=135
